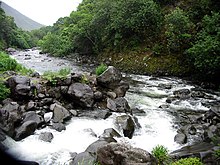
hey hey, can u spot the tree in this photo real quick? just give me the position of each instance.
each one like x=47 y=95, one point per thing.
x=205 y=53
x=179 y=30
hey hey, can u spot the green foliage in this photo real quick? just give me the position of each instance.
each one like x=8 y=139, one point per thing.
x=99 y=24
x=100 y=69
x=188 y=161
x=54 y=44
x=217 y=154
x=4 y=91
x=52 y=77
x=178 y=30
x=9 y=64
x=205 y=53
x=11 y=35
x=161 y=154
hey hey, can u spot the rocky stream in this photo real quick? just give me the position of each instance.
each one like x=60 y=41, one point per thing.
x=120 y=115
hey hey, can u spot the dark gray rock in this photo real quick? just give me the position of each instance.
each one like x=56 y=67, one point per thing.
x=119 y=104
x=115 y=153
x=127 y=124
x=46 y=136
x=26 y=129
x=10 y=115
x=110 y=78
x=20 y=87
x=110 y=133
x=92 y=148
x=58 y=127
x=81 y=94
x=60 y=114
x=121 y=89
x=182 y=93
x=33 y=116
x=180 y=138
x=83 y=158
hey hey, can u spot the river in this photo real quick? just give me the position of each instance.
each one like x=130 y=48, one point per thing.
x=147 y=93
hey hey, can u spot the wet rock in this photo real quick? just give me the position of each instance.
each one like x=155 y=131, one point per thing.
x=10 y=116
x=19 y=86
x=33 y=116
x=74 y=112
x=111 y=95
x=110 y=78
x=26 y=129
x=60 y=114
x=46 y=136
x=48 y=116
x=90 y=132
x=182 y=93
x=170 y=99
x=165 y=86
x=2 y=136
x=81 y=94
x=83 y=158
x=138 y=111
x=58 y=127
x=127 y=124
x=30 y=106
x=199 y=150
x=98 y=95
x=93 y=148
x=180 y=138
x=115 y=153
x=110 y=133
x=121 y=89
x=119 y=104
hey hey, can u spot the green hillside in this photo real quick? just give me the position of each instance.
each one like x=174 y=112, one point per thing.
x=21 y=20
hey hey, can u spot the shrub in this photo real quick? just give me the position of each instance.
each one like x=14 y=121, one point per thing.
x=100 y=69
x=4 y=91
x=188 y=161
x=9 y=64
x=161 y=154
x=52 y=77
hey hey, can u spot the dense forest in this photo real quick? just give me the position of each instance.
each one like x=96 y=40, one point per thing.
x=163 y=37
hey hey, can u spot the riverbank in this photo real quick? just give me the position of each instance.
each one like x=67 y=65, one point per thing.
x=149 y=63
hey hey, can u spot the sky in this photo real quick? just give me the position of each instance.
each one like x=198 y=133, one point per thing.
x=45 y=12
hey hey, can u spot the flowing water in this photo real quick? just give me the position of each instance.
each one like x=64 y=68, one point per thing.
x=146 y=93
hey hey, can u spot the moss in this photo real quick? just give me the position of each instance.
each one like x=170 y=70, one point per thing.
x=145 y=61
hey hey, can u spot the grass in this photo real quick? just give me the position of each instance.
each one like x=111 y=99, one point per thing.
x=100 y=69
x=52 y=77
x=9 y=64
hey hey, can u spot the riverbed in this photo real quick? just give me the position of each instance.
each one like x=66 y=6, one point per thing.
x=146 y=94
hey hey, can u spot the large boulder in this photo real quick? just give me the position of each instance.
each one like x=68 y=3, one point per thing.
x=81 y=94
x=109 y=78
x=60 y=114
x=119 y=104
x=26 y=129
x=127 y=124
x=19 y=86
x=115 y=153
x=10 y=115
x=32 y=115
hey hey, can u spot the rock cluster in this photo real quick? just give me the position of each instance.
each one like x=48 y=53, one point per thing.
x=35 y=103
x=199 y=129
